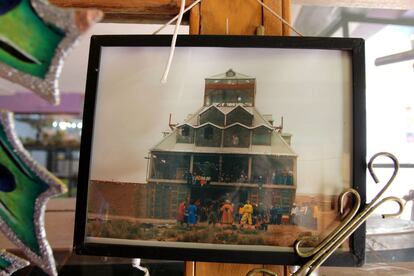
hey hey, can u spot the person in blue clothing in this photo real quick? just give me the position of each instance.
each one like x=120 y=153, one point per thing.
x=192 y=214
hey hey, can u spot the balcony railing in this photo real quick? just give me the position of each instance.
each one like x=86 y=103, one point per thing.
x=220 y=183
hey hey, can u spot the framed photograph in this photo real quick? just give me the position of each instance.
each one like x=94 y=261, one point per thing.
x=244 y=150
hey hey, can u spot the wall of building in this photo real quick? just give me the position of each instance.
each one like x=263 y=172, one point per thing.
x=116 y=199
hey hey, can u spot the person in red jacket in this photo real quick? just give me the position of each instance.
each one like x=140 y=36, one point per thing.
x=227 y=213
x=181 y=212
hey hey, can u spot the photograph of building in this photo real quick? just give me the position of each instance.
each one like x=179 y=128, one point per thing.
x=238 y=152
x=226 y=165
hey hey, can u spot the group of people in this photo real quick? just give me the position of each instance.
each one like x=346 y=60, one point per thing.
x=228 y=216
x=187 y=213
x=305 y=215
x=225 y=213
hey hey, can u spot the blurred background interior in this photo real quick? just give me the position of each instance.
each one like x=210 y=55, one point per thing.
x=52 y=134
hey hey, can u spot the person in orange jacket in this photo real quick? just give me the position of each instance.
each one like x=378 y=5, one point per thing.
x=226 y=213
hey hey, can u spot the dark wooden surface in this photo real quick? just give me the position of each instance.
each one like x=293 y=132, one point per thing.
x=157 y=11
x=145 y=11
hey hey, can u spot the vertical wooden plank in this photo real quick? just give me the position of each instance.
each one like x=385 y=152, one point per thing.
x=279 y=269
x=208 y=269
x=234 y=17
x=195 y=20
x=189 y=269
x=272 y=25
x=286 y=14
x=289 y=270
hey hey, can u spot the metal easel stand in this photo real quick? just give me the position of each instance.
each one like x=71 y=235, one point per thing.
x=349 y=224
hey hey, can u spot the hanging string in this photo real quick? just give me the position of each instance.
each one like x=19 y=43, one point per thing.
x=137 y=264
x=279 y=17
x=179 y=17
x=176 y=17
x=173 y=42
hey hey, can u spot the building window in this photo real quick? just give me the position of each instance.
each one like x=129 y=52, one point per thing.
x=169 y=166
x=206 y=166
x=235 y=140
x=212 y=115
x=273 y=170
x=262 y=136
x=234 y=169
x=236 y=136
x=185 y=134
x=208 y=136
x=239 y=115
x=185 y=131
x=208 y=133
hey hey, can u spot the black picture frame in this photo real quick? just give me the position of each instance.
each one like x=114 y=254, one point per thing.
x=352 y=46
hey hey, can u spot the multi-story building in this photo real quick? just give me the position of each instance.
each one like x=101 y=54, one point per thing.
x=226 y=150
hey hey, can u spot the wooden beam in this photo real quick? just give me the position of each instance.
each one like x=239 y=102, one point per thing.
x=125 y=6
x=118 y=17
x=159 y=11
x=146 y=11
x=157 y=7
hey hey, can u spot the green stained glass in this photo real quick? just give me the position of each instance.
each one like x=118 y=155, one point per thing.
x=17 y=207
x=27 y=43
x=4 y=264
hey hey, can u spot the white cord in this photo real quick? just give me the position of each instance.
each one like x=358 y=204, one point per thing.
x=173 y=42
x=179 y=17
x=137 y=264
x=176 y=17
x=261 y=3
x=279 y=17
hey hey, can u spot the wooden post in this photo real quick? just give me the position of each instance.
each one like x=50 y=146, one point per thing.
x=195 y=21
x=286 y=13
x=239 y=17
x=236 y=17
x=272 y=26
x=223 y=17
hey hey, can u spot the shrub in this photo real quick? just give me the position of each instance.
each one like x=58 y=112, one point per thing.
x=256 y=240
x=226 y=238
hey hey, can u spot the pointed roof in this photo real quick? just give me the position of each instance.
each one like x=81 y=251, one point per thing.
x=213 y=106
x=225 y=109
x=230 y=75
x=278 y=147
x=240 y=106
x=258 y=119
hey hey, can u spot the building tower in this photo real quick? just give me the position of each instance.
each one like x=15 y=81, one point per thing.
x=226 y=150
